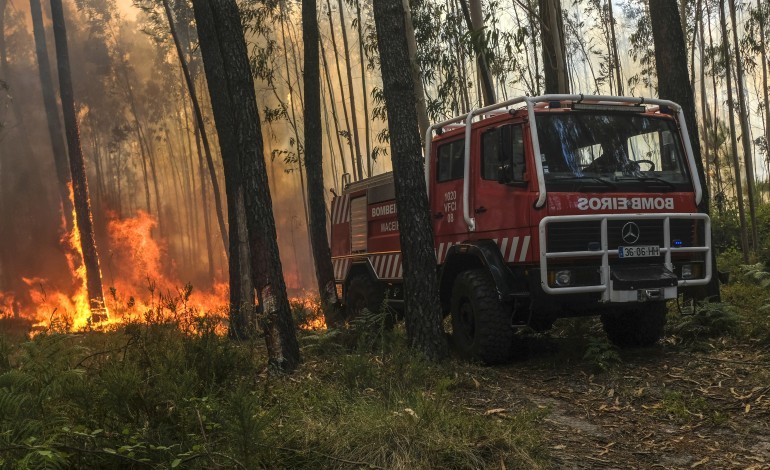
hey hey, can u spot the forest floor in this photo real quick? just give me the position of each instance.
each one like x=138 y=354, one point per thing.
x=663 y=407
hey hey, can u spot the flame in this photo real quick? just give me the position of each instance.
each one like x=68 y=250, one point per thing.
x=140 y=286
x=308 y=310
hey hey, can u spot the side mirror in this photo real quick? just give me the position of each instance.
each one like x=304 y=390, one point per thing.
x=505 y=173
x=512 y=166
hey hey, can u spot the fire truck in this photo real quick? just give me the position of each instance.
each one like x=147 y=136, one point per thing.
x=542 y=208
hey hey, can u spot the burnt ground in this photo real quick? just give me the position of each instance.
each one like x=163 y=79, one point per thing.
x=669 y=406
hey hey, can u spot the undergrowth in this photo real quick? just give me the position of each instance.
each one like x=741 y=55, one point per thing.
x=172 y=392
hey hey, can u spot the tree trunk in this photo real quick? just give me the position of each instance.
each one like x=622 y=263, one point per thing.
x=704 y=107
x=240 y=277
x=614 y=45
x=355 y=169
x=55 y=130
x=77 y=165
x=351 y=91
x=715 y=124
x=201 y=127
x=475 y=22
x=671 y=63
x=763 y=55
x=364 y=94
x=421 y=301
x=333 y=102
x=733 y=142
x=748 y=160
x=419 y=90
x=205 y=205
x=554 y=57
x=314 y=163
x=280 y=337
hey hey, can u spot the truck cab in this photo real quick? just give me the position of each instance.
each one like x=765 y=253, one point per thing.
x=542 y=208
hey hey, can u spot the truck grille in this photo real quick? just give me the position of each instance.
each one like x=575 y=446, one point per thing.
x=586 y=236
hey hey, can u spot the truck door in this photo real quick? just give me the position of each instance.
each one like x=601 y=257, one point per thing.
x=446 y=191
x=501 y=199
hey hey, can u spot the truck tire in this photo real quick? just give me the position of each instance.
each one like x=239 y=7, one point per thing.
x=637 y=326
x=481 y=327
x=362 y=292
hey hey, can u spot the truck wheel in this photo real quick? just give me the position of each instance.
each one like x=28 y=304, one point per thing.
x=481 y=327
x=362 y=292
x=640 y=325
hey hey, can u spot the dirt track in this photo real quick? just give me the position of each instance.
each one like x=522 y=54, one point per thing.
x=665 y=407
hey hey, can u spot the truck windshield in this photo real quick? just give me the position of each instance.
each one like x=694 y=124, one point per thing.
x=611 y=152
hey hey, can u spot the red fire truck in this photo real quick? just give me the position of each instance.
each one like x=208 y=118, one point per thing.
x=542 y=208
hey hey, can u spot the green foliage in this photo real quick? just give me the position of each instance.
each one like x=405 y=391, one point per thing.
x=602 y=354
x=756 y=273
x=710 y=320
x=176 y=394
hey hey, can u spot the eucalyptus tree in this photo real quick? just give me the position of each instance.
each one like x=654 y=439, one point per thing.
x=55 y=130
x=200 y=125
x=671 y=63
x=554 y=57
x=225 y=57
x=421 y=301
x=77 y=165
x=743 y=116
x=733 y=143
x=314 y=162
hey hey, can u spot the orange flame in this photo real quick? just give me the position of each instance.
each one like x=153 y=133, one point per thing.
x=140 y=285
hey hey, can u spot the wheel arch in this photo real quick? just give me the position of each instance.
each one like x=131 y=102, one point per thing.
x=481 y=254
x=357 y=268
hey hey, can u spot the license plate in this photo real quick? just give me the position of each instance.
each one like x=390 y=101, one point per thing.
x=641 y=251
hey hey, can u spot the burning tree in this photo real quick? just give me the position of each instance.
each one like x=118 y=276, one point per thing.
x=83 y=222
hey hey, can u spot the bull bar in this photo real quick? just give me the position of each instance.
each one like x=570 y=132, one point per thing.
x=605 y=286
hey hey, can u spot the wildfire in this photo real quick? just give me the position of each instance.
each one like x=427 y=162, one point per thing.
x=139 y=286
x=308 y=309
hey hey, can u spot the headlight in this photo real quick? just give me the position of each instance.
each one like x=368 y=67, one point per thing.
x=687 y=271
x=563 y=278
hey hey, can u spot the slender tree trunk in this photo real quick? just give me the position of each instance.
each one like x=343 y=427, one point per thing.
x=419 y=90
x=200 y=126
x=355 y=169
x=671 y=63
x=715 y=124
x=333 y=102
x=205 y=203
x=314 y=163
x=243 y=124
x=704 y=107
x=364 y=94
x=615 y=57
x=77 y=166
x=475 y=22
x=421 y=300
x=351 y=91
x=554 y=57
x=55 y=130
x=763 y=56
x=733 y=142
x=748 y=160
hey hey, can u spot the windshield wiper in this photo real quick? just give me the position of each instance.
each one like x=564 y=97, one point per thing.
x=650 y=180
x=585 y=180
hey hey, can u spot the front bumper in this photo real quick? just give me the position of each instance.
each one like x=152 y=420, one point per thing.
x=626 y=283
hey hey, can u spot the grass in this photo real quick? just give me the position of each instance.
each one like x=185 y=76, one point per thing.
x=171 y=391
x=159 y=394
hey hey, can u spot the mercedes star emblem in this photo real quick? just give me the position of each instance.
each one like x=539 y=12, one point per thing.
x=630 y=233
